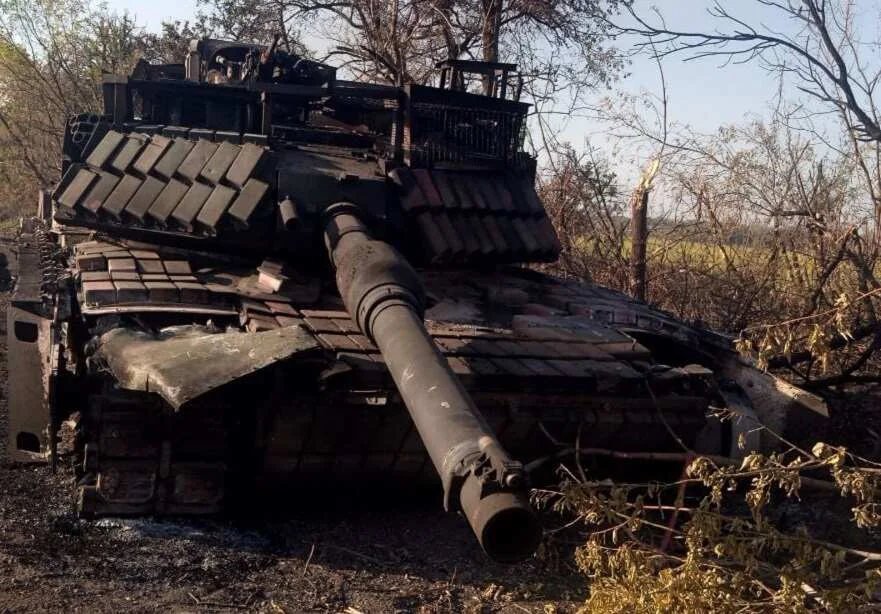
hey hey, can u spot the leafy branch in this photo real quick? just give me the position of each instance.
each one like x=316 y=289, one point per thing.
x=715 y=541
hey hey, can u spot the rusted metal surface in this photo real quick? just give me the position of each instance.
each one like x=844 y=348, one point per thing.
x=147 y=462
x=33 y=348
x=30 y=343
x=115 y=279
x=181 y=364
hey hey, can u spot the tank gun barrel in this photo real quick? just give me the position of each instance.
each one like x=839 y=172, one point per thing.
x=384 y=296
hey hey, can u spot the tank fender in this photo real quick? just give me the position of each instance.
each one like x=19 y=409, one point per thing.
x=183 y=363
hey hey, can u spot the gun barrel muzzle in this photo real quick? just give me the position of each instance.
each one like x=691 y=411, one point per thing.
x=383 y=294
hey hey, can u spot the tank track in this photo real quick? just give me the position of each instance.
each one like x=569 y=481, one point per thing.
x=137 y=457
x=140 y=457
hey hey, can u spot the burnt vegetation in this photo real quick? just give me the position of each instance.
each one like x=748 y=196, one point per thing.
x=766 y=230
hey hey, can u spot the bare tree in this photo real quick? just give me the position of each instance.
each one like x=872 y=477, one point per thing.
x=590 y=216
x=559 y=42
x=825 y=213
x=52 y=58
x=53 y=54
x=172 y=42
x=822 y=55
x=253 y=21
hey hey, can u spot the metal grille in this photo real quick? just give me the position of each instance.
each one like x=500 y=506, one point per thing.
x=444 y=133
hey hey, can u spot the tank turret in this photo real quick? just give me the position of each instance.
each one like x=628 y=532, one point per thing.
x=246 y=152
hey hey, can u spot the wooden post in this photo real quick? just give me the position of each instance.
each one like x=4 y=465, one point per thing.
x=639 y=230
x=638 y=239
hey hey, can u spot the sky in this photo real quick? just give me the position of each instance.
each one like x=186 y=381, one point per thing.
x=703 y=92
x=152 y=13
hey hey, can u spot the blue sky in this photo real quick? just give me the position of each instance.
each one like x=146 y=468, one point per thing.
x=152 y=13
x=701 y=93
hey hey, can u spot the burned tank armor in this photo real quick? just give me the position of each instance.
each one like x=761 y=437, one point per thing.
x=252 y=275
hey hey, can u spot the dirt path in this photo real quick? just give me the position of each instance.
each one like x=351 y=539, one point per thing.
x=405 y=556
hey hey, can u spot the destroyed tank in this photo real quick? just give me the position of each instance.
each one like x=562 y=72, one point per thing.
x=252 y=272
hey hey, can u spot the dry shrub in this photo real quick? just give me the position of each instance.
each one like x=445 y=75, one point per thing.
x=717 y=541
x=752 y=232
